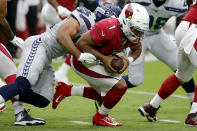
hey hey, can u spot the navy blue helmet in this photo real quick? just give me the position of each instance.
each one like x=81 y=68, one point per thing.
x=107 y=10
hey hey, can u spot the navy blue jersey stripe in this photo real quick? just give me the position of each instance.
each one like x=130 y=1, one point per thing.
x=31 y=57
x=143 y=3
x=175 y=9
x=87 y=22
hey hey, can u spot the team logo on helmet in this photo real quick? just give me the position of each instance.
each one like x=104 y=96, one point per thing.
x=129 y=12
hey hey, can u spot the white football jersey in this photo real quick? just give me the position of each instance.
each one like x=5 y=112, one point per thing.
x=160 y=15
x=86 y=20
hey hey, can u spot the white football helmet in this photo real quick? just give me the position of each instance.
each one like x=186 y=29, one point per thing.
x=134 y=20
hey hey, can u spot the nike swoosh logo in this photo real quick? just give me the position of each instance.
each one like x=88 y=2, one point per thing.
x=112 y=27
x=115 y=123
x=102 y=33
x=57 y=100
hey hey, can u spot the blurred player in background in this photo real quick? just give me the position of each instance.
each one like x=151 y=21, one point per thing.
x=56 y=10
x=157 y=41
x=8 y=70
x=186 y=39
x=107 y=38
x=34 y=82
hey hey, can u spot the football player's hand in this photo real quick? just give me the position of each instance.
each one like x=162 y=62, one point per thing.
x=107 y=63
x=18 y=42
x=126 y=64
x=63 y=12
x=87 y=59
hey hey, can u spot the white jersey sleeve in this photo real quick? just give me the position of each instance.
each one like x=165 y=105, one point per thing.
x=85 y=18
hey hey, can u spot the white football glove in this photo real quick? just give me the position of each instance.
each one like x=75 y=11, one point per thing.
x=18 y=42
x=87 y=59
x=63 y=12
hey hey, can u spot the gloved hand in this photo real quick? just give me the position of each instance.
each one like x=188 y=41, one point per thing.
x=87 y=59
x=18 y=42
x=63 y=12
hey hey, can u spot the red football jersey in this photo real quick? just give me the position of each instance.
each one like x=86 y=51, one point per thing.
x=69 y=4
x=191 y=15
x=107 y=35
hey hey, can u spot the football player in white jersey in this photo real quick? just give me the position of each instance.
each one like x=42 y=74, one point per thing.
x=157 y=41
x=186 y=39
x=34 y=83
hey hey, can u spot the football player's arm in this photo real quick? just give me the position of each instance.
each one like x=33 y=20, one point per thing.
x=54 y=3
x=87 y=44
x=65 y=34
x=4 y=26
x=6 y=30
x=135 y=51
x=133 y=55
x=62 y=11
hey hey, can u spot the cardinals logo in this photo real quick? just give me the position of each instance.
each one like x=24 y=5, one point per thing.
x=129 y=12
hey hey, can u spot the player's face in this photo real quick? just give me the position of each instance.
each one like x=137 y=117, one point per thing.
x=137 y=33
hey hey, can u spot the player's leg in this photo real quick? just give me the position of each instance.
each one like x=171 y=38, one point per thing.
x=61 y=73
x=135 y=75
x=9 y=75
x=102 y=84
x=31 y=65
x=166 y=51
x=184 y=73
x=2 y=106
x=191 y=118
x=41 y=93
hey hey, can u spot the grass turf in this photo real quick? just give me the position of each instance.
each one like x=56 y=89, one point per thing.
x=81 y=109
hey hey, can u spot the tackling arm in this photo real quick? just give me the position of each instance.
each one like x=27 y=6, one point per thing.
x=65 y=34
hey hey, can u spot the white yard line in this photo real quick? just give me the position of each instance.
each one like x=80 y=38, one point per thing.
x=138 y=92
x=170 y=121
x=80 y=122
x=134 y=92
x=151 y=93
x=87 y=123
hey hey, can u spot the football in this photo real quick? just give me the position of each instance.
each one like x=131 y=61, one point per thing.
x=117 y=64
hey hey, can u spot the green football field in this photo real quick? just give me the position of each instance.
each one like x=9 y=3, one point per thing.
x=75 y=113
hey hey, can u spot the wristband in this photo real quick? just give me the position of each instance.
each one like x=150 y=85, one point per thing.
x=130 y=59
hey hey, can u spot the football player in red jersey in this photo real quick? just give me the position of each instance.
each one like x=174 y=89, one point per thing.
x=107 y=38
x=186 y=39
